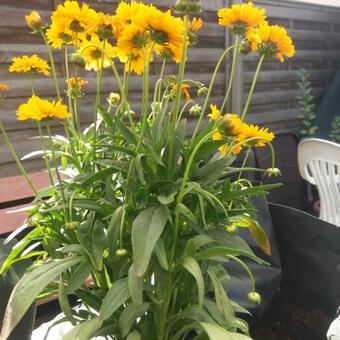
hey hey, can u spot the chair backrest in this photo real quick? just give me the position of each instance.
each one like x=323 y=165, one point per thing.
x=319 y=164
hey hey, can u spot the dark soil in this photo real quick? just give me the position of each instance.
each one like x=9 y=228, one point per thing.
x=285 y=321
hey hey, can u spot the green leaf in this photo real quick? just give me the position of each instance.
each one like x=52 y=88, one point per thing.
x=114 y=228
x=107 y=119
x=78 y=277
x=161 y=254
x=192 y=266
x=27 y=289
x=186 y=212
x=130 y=137
x=222 y=301
x=64 y=302
x=98 y=176
x=98 y=244
x=135 y=287
x=115 y=297
x=84 y=331
x=166 y=200
x=216 y=332
x=134 y=336
x=146 y=230
x=139 y=168
x=130 y=315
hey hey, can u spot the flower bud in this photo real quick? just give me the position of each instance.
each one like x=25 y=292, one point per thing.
x=121 y=252
x=33 y=21
x=113 y=99
x=188 y=6
x=77 y=60
x=202 y=91
x=245 y=48
x=254 y=297
x=273 y=172
x=71 y=225
x=195 y=110
x=231 y=229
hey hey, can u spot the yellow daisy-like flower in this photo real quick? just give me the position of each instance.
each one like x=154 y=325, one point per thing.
x=91 y=50
x=29 y=64
x=215 y=114
x=104 y=26
x=4 y=87
x=40 y=109
x=251 y=131
x=271 y=41
x=196 y=24
x=217 y=136
x=126 y=12
x=76 y=83
x=185 y=90
x=165 y=31
x=169 y=52
x=133 y=41
x=240 y=17
x=135 y=62
x=70 y=22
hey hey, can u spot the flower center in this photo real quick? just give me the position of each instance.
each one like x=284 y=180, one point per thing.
x=75 y=26
x=139 y=40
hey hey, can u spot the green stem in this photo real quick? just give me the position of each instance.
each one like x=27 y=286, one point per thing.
x=54 y=74
x=246 y=268
x=207 y=98
x=244 y=163
x=62 y=193
x=232 y=71
x=252 y=88
x=175 y=109
x=76 y=101
x=16 y=158
x=43 y=145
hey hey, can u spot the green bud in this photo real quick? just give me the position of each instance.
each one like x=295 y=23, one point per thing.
x=121 y=252
x=72 y=225
x=195 y=110
x=188 y=6
x=254 y=297
x=273 y=172
x=77 y=59
x=202 y=91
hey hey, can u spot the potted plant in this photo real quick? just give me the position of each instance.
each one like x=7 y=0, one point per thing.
x=141 y=214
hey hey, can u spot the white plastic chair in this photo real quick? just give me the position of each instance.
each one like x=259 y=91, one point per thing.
x=319 y=164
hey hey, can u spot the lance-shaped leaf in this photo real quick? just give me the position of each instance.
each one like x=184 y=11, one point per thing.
x=192 y=266
x=259 y=235
x=27 y=289
x=84 y=331
x=146 y=230
x=216 y=332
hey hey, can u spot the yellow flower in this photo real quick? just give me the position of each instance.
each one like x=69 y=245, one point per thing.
x=126 y=12
x=254 y=131
x=241 y=17
x=33 y=21
x=40 y=109
x=70 y=22
x=217 y=136
x=4 y=87
x=76 y=83
x=135 y=62
x=169 y=52
x=165 y=30
x=113 y=99
x=215 y=114
x=134 y=40
x=196 y=25
x=105 y=26
x=271 y=41
x=91 y=50
x=185 y=90
x=30 y=64
x=234 y=150
x=232 y=124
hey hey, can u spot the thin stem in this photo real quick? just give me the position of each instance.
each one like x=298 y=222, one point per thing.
x=76 y=101
x=43 y=145
x=62 y=193
x=232 y=71
x=207 y=98
x=246 y=268
x=175 y=109
x=244 y=163
x=54 y=74
x=16 y=158
x=252 y=88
